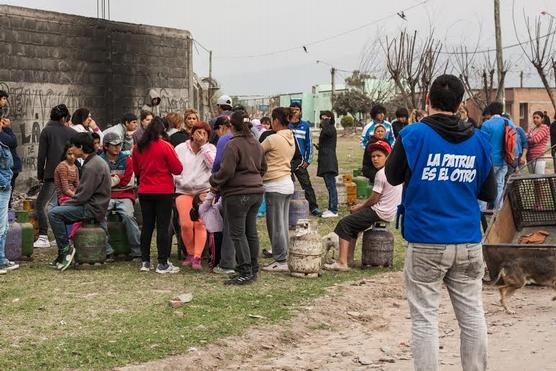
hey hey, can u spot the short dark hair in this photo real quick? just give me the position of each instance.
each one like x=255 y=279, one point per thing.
x=495 y=108
x=222 y=121
x=83 y=141
x=377 y=108
x=79 y=116
x=446 y=93
x=95 y=136
x=296 y=104
x=282 y=114
x=266 y=119
x=128 y=117
x=145 y=113
x=402 y=112
x=3 y=94
x=59 y=112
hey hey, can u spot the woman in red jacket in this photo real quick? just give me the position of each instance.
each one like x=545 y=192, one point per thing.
x=154 y=162
x=537 y=139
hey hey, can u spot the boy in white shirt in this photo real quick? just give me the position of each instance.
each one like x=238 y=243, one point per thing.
x=381 y=205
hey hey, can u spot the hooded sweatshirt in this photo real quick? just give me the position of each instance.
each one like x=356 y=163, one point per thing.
x=243 y=166
x=278 y=150
x=445 y=164
x=196 y=168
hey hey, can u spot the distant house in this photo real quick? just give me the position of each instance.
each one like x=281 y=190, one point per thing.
x=520 y=105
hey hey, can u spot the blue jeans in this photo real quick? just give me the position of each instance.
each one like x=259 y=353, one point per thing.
x=124 y=207
x=330 y=181
x=59 y=216
x=4 y=200
x=500 y=176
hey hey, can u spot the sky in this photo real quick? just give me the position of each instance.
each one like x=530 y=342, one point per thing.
x=247 y=36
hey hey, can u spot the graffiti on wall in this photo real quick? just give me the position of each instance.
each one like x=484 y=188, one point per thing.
x=171 y=100
x=29 y=112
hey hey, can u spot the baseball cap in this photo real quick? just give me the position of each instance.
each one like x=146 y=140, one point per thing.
x=224 y=100
x=112 y=138
x=380 y=145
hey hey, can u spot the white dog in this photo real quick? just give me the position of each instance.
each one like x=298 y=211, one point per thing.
x=330 y=248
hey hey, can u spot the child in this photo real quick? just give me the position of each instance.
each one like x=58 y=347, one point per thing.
x=211 y=213
x=66 y=176
x=368 y=169
x=381 y=205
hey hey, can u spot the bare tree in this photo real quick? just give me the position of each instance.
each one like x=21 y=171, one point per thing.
x=412 y=65
x=538 y=49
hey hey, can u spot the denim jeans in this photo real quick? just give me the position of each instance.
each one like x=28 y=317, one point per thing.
x=460 y=268
x=124 y=207
x=500 y=176
x=60 y=216
x=46 y=196
x=241 y=213
x=4 y=200
x=330 y=181
x=277 y=214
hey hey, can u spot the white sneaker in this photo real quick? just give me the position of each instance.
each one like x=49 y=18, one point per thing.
x=3 y=271
x=329 y=214
x=276 y=267
x=10 y=266
x=145 y=267
x=42 y=241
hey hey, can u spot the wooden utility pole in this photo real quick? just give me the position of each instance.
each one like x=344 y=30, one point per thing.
x=499 y=55
x=333 y=83
x=210 y=64
x=521 y=79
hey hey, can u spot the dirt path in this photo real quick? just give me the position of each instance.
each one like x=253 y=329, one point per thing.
x=366 y=325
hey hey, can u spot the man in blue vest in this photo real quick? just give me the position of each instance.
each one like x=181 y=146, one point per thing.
x=446 y=166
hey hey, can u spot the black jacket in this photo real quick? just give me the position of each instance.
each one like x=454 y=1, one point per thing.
x=52 y=140
x=553 y=137
x=451 y=129
x=327 y=163
x=8 y=137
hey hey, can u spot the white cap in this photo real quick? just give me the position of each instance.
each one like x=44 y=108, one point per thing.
x=224 y=100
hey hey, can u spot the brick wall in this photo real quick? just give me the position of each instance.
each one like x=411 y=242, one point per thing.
x=49 y=58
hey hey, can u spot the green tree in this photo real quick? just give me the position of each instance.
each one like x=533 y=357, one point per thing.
x=352 y=101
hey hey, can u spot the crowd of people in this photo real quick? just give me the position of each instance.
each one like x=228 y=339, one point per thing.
x=206 y=183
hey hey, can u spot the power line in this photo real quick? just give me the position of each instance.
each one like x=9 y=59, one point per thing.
x=484 y=51
x=320 y=41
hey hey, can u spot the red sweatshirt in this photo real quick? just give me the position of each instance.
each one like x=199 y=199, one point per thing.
x=154 y=167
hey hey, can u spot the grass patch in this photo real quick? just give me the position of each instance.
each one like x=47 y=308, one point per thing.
x=115 y=316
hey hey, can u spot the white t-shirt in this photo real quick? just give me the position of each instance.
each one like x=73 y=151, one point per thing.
x=390 y=197
x=283 y=185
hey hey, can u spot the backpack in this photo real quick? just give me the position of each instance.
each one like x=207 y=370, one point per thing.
x=510 y=143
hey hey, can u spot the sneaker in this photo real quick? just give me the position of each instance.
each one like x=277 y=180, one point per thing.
x=329 y=214
x=145 y=267
x=196 y=264
x=166 y=268
x=218 y=269
x=276 y=267
x=3 y=271
x=240 y=280
x=109 y=258
x=9 y=266
x=55 y=262
x=316 y=212
x=187 y=261
x=267 y=253
x=68 y=259
x=42 y=241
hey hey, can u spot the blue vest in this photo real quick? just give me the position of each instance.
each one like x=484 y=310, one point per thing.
x=439 y=203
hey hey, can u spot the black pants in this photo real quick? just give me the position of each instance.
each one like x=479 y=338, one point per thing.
x=14 y=177
x=156 y=210
x=241 y=214
x=46 y=195
x=350 y=226
x=302 y=176
x=227 y=251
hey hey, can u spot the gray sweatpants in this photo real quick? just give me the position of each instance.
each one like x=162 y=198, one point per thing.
x=460 y=268
x=277 y=214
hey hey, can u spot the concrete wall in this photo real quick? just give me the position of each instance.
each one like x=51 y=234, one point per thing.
x=49 y=58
